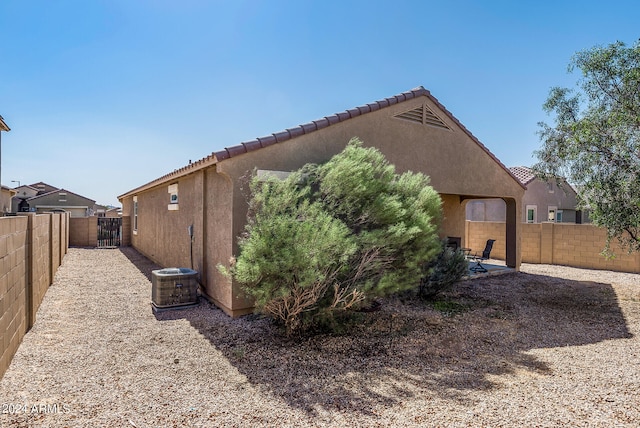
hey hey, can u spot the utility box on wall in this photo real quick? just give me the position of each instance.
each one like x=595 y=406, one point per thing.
x=174 y=288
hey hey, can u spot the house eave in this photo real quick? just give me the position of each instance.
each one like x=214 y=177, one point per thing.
x=3 y=125
x=309 y=127
x=193 y=167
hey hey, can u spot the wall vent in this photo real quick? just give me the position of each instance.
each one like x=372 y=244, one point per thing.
x=424 y=116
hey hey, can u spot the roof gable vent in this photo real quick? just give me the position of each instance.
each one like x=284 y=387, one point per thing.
x=423 y=115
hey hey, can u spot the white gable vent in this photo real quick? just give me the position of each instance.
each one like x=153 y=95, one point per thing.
x=424 y=116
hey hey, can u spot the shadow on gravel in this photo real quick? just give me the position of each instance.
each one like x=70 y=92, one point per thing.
x=143 y=264
x=409 y=348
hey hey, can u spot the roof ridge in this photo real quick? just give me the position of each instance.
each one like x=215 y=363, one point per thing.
x=60 y=191
x=315 y=125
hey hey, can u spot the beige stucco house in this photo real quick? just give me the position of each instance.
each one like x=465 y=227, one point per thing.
x=543 y=201
x=554 y=201
x=192 y=216
x=42 y=197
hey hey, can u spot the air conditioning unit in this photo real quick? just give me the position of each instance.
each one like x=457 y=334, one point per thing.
x=174 y=288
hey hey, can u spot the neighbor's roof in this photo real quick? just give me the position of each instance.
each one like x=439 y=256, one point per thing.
x=3 y=125
x=315 y=125
x=59 y=191
x=524 y=174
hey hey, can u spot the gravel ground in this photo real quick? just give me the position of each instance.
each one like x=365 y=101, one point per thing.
x=550 y=346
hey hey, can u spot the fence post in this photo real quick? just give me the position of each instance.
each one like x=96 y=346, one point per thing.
x=546 y=243
x=29 y=312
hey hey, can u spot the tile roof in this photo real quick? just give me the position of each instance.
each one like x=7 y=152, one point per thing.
x=59 y=191
x=524 y=174
x=315 y=125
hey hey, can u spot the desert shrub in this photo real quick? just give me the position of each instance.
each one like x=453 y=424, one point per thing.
x=330 y=237
x=292 y=254
x=441 y=273
x=393 y=218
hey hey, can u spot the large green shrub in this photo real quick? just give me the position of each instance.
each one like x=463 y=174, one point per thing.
x=331 y=236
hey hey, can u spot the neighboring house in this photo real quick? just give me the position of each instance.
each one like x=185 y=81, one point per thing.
x=113 y=212
x=43 y=188
x=542 y=202
x=41 y=197
x=554 y=201
x=6 y=195
x=107 y=211
x=192 y=216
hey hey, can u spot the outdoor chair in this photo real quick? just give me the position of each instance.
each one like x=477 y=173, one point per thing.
x=478 y=259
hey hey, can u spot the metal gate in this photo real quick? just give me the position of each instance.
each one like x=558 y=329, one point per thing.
x=109 y=231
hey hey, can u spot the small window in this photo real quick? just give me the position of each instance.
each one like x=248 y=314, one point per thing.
x=552 y=214
x=135 y=213
x=532 y=213
x=173 y=197
x=559 y=216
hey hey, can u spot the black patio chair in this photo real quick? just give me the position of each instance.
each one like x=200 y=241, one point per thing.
x=478 y=259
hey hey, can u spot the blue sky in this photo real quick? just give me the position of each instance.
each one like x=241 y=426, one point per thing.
x=105 y=95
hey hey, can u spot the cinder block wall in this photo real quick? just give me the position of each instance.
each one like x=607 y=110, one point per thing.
x=13 y=299
x=83 y=231
x=577 y=245
x=39 y=254
x=55 y=248
x=478 y=232
x=26 y=265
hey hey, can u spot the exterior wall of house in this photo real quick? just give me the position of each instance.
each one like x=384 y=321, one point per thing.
x=577 y=245
x=205 y=201
x=211 y=198
x=31 y=249
x=452 y=224
x=162 y=228
x=439 y=153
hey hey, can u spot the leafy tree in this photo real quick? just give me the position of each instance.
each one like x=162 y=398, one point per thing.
x=595 y=141
x=331 y=236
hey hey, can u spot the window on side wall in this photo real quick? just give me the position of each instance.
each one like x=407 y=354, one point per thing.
x=559 y=216
x=532 y=213
x=173 y=197
x=135 y=214
x=552 y=214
